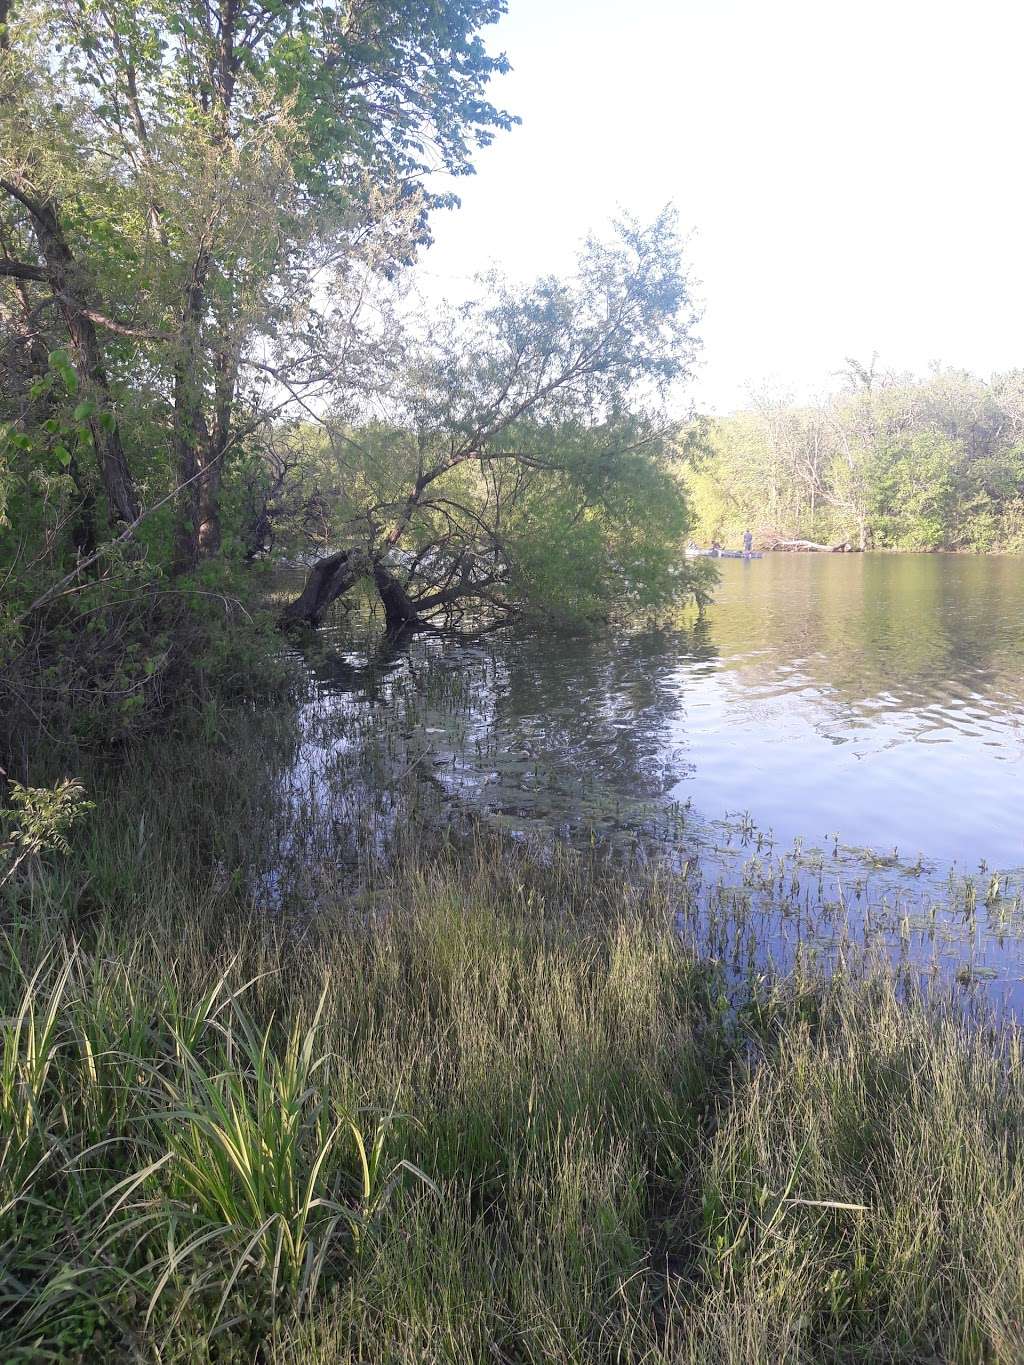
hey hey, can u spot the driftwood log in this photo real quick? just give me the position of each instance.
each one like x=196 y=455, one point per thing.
x=844 y=546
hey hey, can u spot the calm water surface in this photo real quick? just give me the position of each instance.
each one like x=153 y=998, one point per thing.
x=868 y=706
x=880 y=697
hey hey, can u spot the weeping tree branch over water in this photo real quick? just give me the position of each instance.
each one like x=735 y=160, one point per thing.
x=528 y=457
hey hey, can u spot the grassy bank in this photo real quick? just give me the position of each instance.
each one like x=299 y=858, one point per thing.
x=489 y=1107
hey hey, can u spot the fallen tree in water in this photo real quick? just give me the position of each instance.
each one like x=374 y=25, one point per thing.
x=334 y=575
x=329 y=579
x=525 y=460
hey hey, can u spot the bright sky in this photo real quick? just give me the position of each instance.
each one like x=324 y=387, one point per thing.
x=851 y=173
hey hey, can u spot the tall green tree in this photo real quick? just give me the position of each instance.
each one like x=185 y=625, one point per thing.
x=191 y=187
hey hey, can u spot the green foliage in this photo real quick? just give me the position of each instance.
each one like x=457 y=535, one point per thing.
x=37 y=820
x=892 y=461
x=203 y=195
x=229 y=196
x=914 y=488
x=117 y=656
x=530 y=462
x=604 y=529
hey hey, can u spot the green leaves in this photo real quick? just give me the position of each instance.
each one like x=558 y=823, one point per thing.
x=891 y=462
x=58 y=435
x=61 y=365
x=38 y=821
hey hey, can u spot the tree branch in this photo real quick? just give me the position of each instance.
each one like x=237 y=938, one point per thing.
x=122 y=329
x=35 y=207
x=21 y=270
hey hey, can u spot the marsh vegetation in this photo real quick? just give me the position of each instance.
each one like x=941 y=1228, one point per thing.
x=489 y=1103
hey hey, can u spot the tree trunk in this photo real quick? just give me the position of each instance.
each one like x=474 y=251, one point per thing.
x=333 y=576
x=209 y=535
x=83 y=525
x=225 y=381
x=329 y=579
x=191 y=433
x=71 y=293
x=399 y=609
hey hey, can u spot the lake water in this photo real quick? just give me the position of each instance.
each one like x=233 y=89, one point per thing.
x=880 y=697
x=856 y=722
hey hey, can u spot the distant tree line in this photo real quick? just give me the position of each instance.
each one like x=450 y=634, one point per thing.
x=890 y=461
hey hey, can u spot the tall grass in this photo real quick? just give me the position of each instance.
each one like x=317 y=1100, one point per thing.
x=490 y=1107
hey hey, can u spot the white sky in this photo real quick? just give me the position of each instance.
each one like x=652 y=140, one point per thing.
x=851 y=172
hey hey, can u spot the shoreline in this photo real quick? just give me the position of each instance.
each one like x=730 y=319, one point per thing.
x=581 y=1142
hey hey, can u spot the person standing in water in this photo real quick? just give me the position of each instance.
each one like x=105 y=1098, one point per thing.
x=748 y=544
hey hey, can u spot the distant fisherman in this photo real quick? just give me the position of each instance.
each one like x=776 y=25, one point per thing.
x=748 y=544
